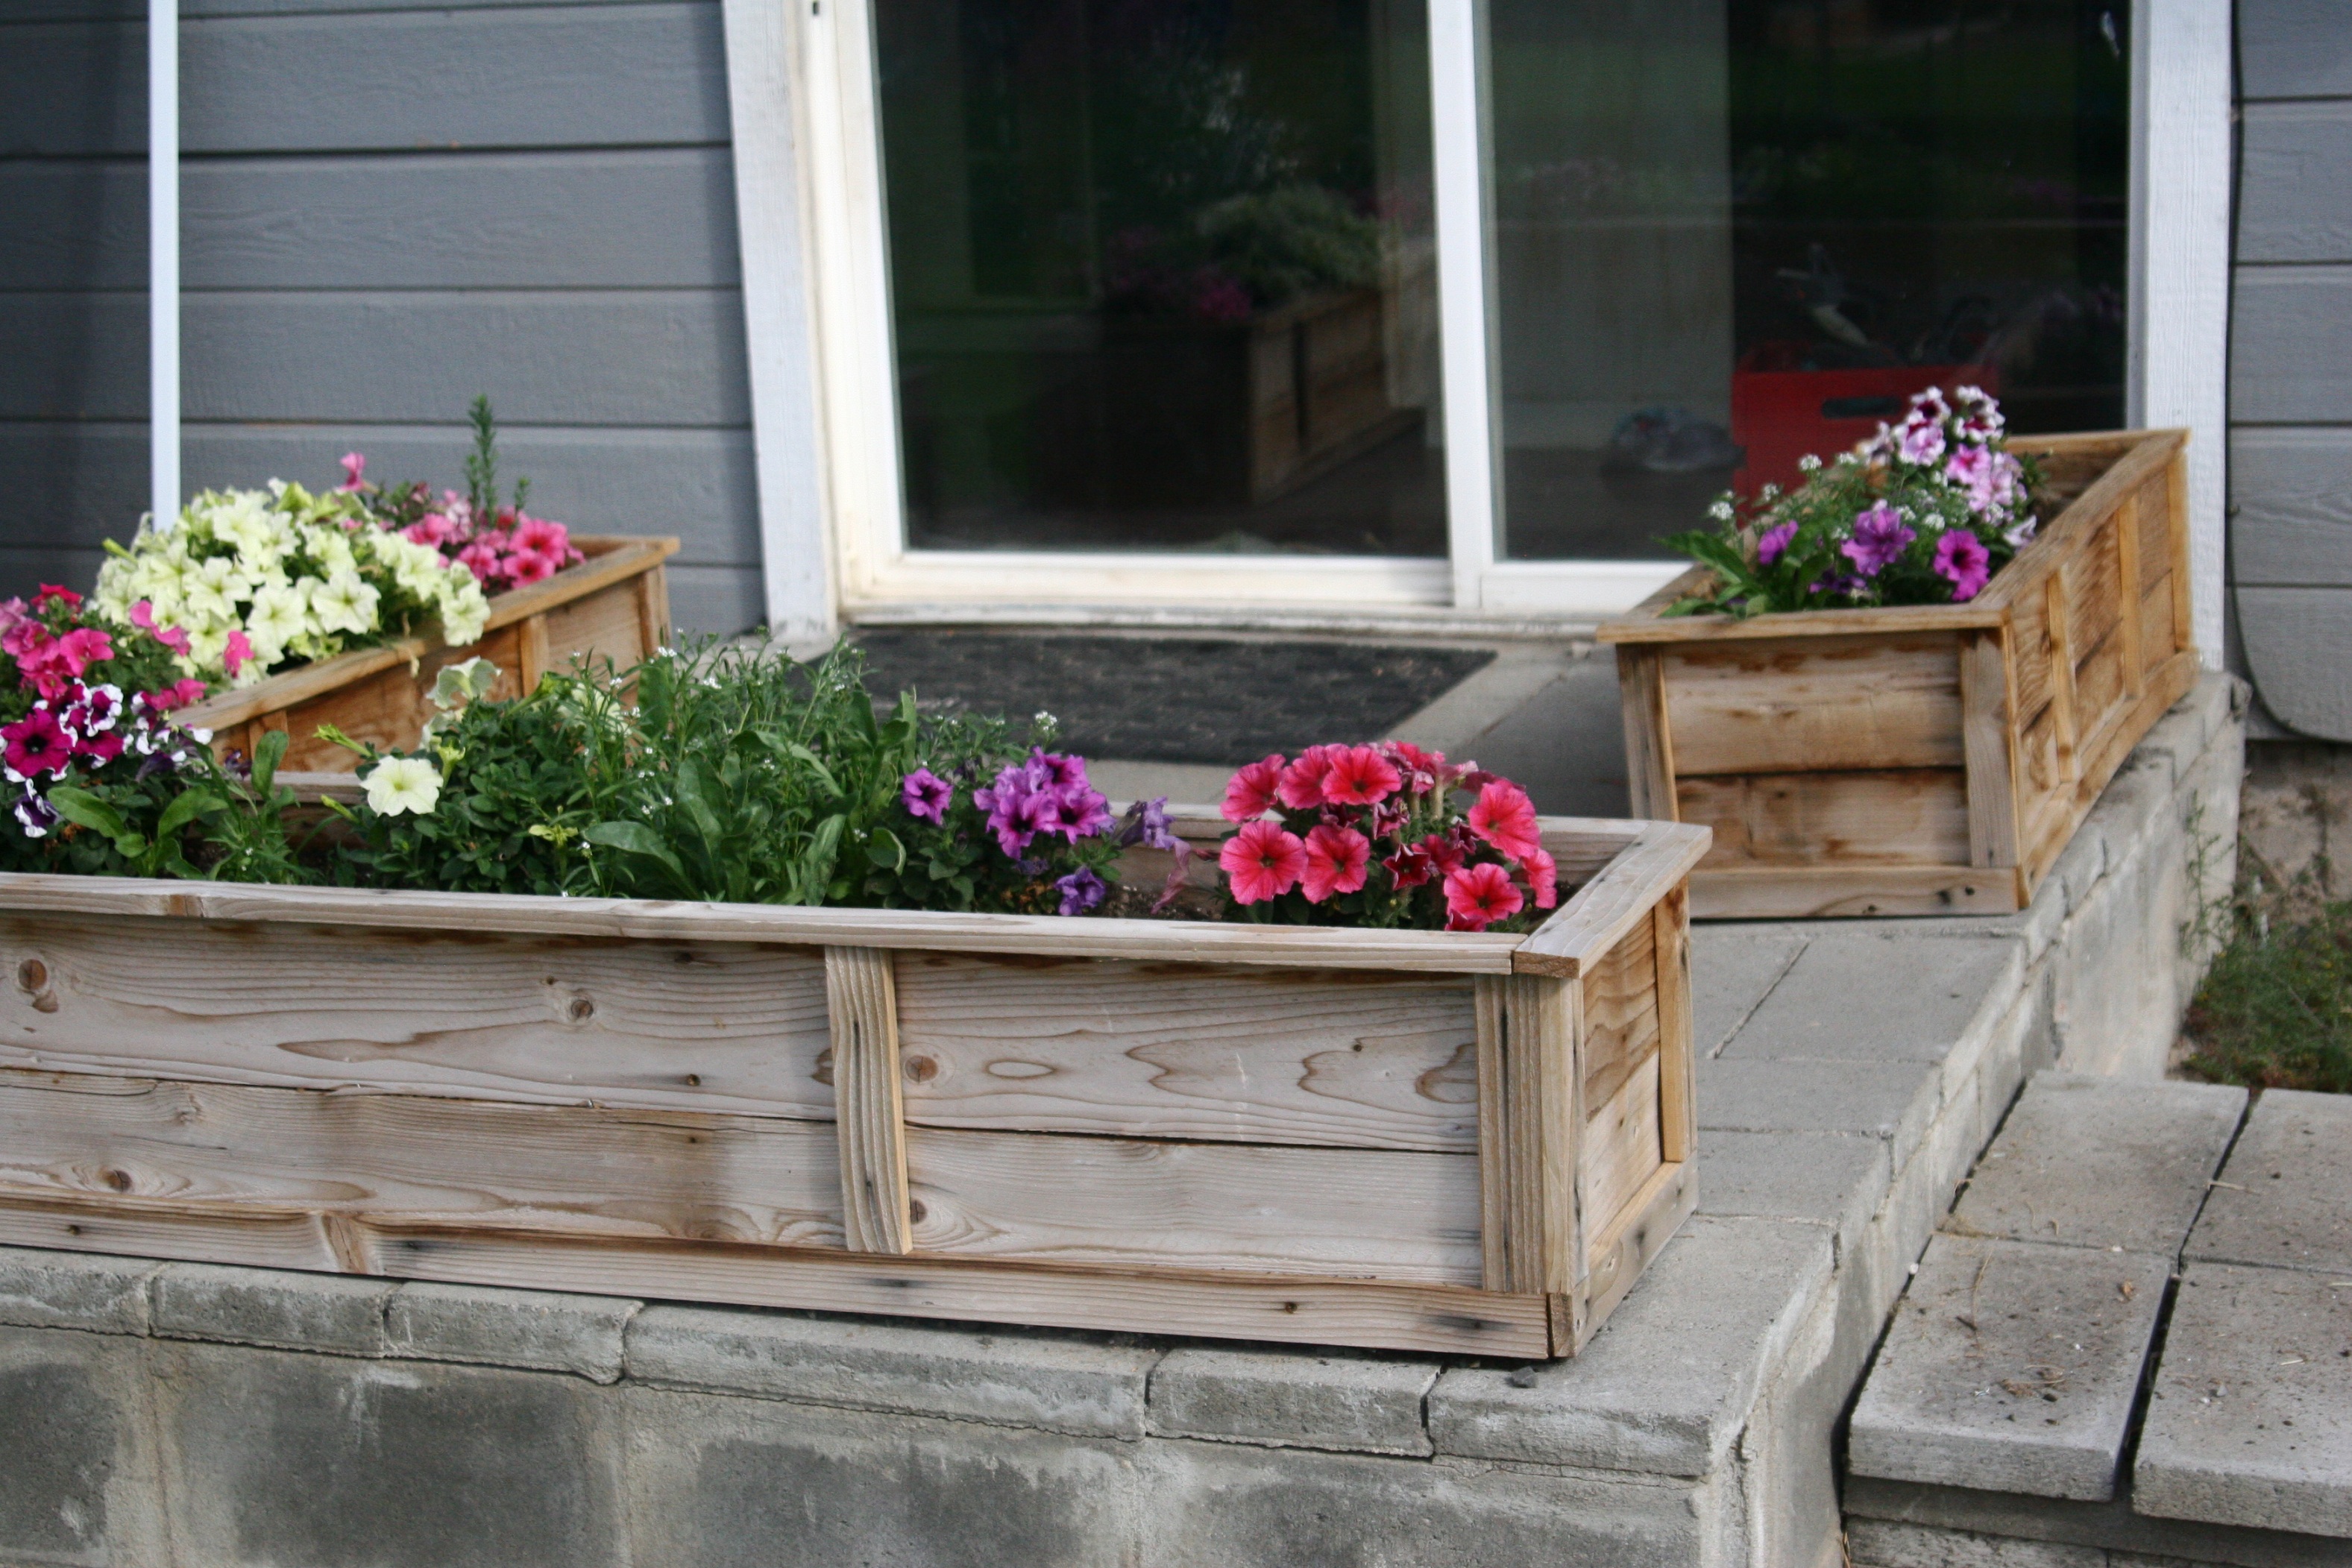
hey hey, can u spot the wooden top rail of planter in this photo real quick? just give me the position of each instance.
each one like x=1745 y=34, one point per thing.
x=1418 y=1140
x=1924 y=759
x=614 y=604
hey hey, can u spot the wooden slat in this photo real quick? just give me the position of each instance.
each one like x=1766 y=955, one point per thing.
x=1797 y=892
x=2095 y=591
x=200 y=1233
x=1618 y=1256
x=1642 y=626
x=585 y=1170
x=861 y=995
x=649 y=1025
x=1371 y=1214
x=2184 y=622
x=1170 y=1050
x=1621 y=1013
x=1677 y=1089
x=531 y=652
x=1991 y=777
x=2058 y=633
x=1167 y=941
x=1880 y=817
x=1597 y=917
x=1807 y=704
x=1621 y=1148
x=2063 y=537
x=1649 y=746
x=1531 y=1114
x=2158 y=639
x=596 y=627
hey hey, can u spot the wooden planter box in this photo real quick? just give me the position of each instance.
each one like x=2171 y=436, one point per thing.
x=1417 y=1139
x=614 y=604
x=1921 y=760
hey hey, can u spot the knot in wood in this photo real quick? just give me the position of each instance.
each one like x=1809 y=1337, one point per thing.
x=922 y=1070
x=32 y=974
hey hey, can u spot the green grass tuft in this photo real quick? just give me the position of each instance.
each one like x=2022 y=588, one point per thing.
x=2275 y=1009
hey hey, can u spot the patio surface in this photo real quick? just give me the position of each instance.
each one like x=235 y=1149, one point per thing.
x=1849 y=1075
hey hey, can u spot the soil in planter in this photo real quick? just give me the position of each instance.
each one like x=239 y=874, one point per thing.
x=1169 y=699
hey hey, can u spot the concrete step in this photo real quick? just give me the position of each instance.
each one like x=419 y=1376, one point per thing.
x=2285 y=1199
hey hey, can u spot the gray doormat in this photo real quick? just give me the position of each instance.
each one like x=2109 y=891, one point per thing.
x=1171 y=699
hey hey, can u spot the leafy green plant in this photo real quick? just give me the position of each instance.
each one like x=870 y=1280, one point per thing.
x=193 y=819
x=2275 y=1009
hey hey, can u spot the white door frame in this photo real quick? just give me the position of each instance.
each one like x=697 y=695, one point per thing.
x=817 y=280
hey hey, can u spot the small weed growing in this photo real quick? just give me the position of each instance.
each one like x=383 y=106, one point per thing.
x=2275 y=1009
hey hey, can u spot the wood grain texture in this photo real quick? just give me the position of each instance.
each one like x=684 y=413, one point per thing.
x=1621 y=1148
x=1642 y=623
x=1881 y=817
x=1531 y=1114
x=583 y=1170
x=641 y=75
x=1587 y=925
x=1647 y=1224
x=1621 y=1027
x=862 y=1000
x=656 y=1026
x=644 y=358
x=1990 y=783
x=658 y=217
x=1799 y=893
x=1678 y=1085
x=1649 y=755
x=1797 y=704
x=1166 y=1050
x=1138 y=1203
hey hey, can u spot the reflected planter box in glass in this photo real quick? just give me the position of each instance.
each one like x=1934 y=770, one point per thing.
x=1427 y=1141
x=1921 y=759
x=613 y=605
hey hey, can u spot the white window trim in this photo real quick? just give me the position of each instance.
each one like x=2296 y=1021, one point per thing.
x=817 y=323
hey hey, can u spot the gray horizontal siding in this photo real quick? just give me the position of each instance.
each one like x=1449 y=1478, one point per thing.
x=2294 y=200
x=2294 y=49
x=2291 y=346
x=2291 y=363
x=379 y=82
x=590 y=357
x=649 y=218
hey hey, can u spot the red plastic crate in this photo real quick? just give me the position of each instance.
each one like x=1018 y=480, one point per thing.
x=1780 y=414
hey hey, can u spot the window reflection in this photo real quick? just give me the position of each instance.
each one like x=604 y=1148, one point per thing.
x=1162 y=274
x=1731 y=233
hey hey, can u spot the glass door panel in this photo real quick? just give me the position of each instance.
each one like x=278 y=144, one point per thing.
x=1728 y=232
x=1163 y=275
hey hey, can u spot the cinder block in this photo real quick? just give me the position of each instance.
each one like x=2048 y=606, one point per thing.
x=86 y=1290
x=538 y=1329
x=1894 y=1101
x=1883 y=1544
x=1837 y=1179
x=2010 y=1367
x=1007 y=1376
x=331 y=1312
x=282 y=1459
x=1835 y=1003
x=1293 y=1400
x=78 y=1482
x=728 y=1482
x=2285 y=1198
x=1671 y=1379
x=2101 y=1161
x=2250 y=1420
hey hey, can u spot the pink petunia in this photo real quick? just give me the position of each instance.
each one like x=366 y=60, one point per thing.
x=1962 y=558
x=1250 y=792
x=354 y=471
x=432 y=530
x=142 y=615
x=1409 y=867
x=552 y=540
x=1338 y=861
x=524 y=567
x=480 y=558
x=1263 y=861
x=1360 y=776
x=1543 y=876
x=1476 y=896
x=1505 y=817
x=1300 y=787
x=83 y=646
x=1922 y=440
x=237 y=653
x=51 y=592
x=926 y=795
x=179 y=694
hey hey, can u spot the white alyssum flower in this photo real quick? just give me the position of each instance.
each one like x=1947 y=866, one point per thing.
x=399 y=784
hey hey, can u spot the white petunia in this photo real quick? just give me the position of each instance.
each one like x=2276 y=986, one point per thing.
x=465 y=610
x=345 y=604
x=399 y=784
x=278 y=616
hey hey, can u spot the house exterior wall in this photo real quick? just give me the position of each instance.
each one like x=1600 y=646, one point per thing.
x=2290 y=363
x=388 y=207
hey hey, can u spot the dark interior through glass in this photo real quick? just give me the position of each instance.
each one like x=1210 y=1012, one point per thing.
x=1163 y=274
x=1732 y=232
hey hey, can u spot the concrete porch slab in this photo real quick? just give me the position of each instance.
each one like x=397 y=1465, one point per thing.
x=2283 y=1199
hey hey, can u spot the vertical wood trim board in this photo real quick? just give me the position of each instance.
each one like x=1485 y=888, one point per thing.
x=861 y=990
x=1530 y=1102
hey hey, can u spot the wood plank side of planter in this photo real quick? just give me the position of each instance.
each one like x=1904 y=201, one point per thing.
x=614 y=604
x=1909 y=761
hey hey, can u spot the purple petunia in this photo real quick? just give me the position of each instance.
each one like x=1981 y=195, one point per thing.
x=1774 y=543
x=1081 y=890
x=35 y=815
x=1047 y=793
x=1880 y=538
x=927 y=795
x=1962 y=558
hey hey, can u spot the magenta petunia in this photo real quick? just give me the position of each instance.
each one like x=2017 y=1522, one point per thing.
x=1880 y=538
x=1774 y=543
x=1962 y=558
x=36 y=744
x=926 y=795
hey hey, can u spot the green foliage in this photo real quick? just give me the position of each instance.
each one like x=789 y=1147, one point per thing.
x=1283 y=242
x=195 y=821
x=2275 y=1009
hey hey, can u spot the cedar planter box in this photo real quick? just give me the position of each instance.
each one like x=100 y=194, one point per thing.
x=614 y=604
x=1425 y=1141
x=1921 y=760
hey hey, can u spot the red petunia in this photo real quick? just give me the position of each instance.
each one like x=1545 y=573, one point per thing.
x=1543 y=876
x=1360 y=776
x=1263 y=861
x=1505 y=817
x=1302 y=784
x=1250 y=792
x=1337 y=860
x=1476 y=896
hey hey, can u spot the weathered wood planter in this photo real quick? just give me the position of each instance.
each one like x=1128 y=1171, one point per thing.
x=614 y=604
x=1921 y=760
x=1428 y=1141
